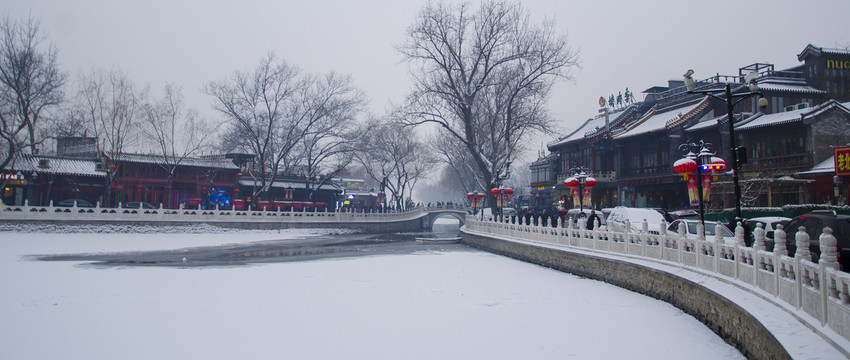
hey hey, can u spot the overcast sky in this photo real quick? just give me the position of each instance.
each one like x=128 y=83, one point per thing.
x=634 y=44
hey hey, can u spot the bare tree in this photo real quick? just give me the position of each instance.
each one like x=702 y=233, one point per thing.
x=30 y=84
x=292 y=122
x=108 y=102
x=459 y=163
x=331 y=104
x=484 y=77
x=258 y=106
x=393 y=157
x=175 y=133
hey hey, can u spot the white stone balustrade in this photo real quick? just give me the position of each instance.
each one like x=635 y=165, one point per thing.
x=97 y=213
x=818 y=289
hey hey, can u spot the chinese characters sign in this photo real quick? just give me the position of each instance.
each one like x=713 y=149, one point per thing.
x=842 y=161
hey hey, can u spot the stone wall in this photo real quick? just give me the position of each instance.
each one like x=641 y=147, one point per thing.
x=732 y=323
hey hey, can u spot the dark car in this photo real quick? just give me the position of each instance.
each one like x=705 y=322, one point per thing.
x=814 y=223
x=70 y=202
x=134 y=207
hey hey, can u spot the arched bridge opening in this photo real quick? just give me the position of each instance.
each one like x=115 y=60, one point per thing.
x=434 y=214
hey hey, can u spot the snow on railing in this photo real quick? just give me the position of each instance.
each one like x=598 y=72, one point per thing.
x=819 y=289
x=97 y=213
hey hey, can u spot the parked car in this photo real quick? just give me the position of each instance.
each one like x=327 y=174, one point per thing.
x=769 y=224
x=138 y=205
x=691 y=230
x=70 y=202
x=815 y=222
x=684 y=214
x=635 y=216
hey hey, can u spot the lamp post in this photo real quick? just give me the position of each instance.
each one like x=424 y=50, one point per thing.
x=750 y=79
x=501 y=195
x=580 y=179
x=698 y=161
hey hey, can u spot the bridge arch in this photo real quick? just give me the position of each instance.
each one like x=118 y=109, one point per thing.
x=434 y=214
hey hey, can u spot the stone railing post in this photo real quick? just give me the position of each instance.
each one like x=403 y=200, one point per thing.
x=759 y=236
x=779 y=238
x=739 y=234
x=828 y=249
x=802 y=238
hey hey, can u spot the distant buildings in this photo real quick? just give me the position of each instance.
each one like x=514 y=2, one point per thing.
x=630 y=148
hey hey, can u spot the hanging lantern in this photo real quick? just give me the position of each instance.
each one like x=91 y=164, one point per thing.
x=685 y=166
x=509 y=192
x=589 y=182
x=571 y=182
x=236 y=191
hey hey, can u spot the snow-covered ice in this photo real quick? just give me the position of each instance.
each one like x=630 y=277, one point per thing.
x=426 y=305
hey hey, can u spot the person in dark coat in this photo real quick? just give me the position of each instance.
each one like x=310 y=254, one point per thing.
x=592 y=219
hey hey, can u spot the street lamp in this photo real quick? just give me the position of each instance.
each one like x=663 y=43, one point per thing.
x=475 y=199
x=700 y=162
x=501 y=195
x=752 y=84
x=580 y=180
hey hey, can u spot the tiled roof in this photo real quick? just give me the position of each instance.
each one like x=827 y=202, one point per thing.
x=825 y=167
x=787 y=85
x=787 y=117
x=55 y=165
x=208 y=162
x=706 y=123
x=814 y=50
x=660 y=120
x=593 y=126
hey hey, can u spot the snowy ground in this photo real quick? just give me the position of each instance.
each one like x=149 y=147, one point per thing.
x=427 y=305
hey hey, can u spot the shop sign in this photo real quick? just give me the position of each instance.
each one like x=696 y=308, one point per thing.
x=842 y=161
x=13 y=179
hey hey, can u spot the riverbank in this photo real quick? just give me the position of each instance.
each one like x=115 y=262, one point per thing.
x=422 y=305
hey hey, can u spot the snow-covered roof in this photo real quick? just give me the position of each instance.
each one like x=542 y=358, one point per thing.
x=55 y=165
x=656 y=121
x=825 y=167
x=593 y=126
x=817 y=51
x=286 y=184
x=762 y=120
x=784 y=84
x=220 y=162
x=706 y=123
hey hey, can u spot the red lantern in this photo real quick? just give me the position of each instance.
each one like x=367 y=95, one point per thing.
x=685 y=166
x=571 y=182
x=509 y=191
x=589 y=182
x=471 y=197
x=495 y=192
x=139 y=186
x=203 y=188
x=236 y=191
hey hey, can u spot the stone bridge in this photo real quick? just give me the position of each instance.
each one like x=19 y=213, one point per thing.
x=434 y=213
x=419 y=218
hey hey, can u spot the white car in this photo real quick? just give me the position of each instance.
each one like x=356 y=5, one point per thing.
x=691 y=230
x=618 y=216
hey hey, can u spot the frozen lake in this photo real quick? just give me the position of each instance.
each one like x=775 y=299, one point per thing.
x=432 y=302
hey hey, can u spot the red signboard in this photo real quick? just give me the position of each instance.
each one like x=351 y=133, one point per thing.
x=842 y=161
